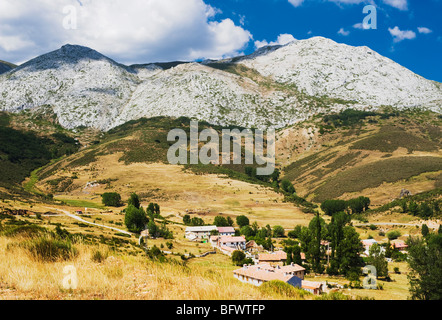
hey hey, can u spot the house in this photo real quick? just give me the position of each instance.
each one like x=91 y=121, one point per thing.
x=260 y=273
x=237 y=243
x=198 y=233
x=253 y=247
x=275 y=258
x=399 y=244
x=292 y=274
x=367 y=245
x=226 y=231
x=312 y=287
x=213 y=240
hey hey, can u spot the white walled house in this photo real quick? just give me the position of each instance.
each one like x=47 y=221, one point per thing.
x=198 y=233
x=238 y=243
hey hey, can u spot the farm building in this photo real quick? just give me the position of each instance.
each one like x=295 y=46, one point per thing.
x=275 y=258
x=238 y=243
x=226 y=231
x=198 y=233
x=292 y=274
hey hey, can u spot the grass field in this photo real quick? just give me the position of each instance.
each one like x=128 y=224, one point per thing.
x=375 y=174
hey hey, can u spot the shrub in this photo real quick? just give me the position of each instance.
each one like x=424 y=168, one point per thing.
x=111 y=199
x=98 y=256
x=393 y=234
x=135 y=219
x=51 y=250
x=280 y=288
x=278 y=232
x=238 y=257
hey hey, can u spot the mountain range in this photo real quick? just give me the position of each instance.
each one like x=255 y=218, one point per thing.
x=274 y=87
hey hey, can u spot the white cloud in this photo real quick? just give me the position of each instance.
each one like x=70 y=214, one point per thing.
x=296 y=3
x=343 y=32
x=283 y=39
x=399 y=35
x=399 y=4
x=361 y=26
x=130 y=31
x=424 y=30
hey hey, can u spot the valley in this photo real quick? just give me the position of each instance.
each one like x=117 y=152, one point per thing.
x=132 y=159
x=85 y=181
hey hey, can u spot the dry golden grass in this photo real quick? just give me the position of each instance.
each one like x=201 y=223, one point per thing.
x=120 y=277
x=177 y=191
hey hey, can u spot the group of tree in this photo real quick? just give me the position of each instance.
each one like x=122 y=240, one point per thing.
x=425 y=262
x=193 y=222
x=352 y=206
x=138 y=219
x=262 y=236
x=239 y=258
x=338 y=238
x=272 y=179
x=221 y=221
x=423 y=210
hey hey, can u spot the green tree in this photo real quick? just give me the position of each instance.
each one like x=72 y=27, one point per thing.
x=242 y=221
x=293 y=254
x=377 y=259
x=153 y=229
x=352 y=248
x=220 y=221
x=425 y=261
x=295 y=233
x=425 y=210
x=425 y=230
x=238 y=257
x=333 y=206
x=111 y=199
x=134 y=200
x=394 y=234
x=358 y=205
x=186 y=219
x=247 y=231
x=135 y=219
x=287 y=187
x=336 y=230
x=278 y=232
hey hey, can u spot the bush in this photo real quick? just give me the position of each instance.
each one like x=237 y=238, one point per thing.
x=280 y=288
x=50 y=250
x=111 y=199
x=135 y=219
x=242 y=221
x=278 y=232
x=392 y=235
x=98 y=256
x=238 y=257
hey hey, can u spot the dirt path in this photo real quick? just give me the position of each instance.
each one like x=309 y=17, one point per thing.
x=73 y=216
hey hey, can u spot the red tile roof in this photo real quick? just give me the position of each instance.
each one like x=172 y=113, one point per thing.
x=276 y=256
x=226 y=230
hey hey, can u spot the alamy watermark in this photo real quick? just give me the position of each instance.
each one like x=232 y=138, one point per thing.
x=186 y=150
x=70 y=281
x=70 y=19
x=370 y=281
x=370 y=21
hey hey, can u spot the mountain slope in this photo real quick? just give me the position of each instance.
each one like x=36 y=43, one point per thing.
x=6 y=66
x=274 y=87
x=84 y=87
x=320 y=66
x=376 y=156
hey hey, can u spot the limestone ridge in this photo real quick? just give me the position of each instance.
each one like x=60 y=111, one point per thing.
x=298 y=80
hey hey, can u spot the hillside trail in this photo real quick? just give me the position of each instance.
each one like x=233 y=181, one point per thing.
x=73 y=216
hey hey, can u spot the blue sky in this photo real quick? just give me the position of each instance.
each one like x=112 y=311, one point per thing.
x=422 y=53
x=139 y=31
